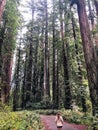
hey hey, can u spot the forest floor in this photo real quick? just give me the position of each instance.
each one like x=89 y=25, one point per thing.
x=49 y=124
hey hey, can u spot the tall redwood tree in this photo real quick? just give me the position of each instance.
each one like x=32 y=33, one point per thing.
x=89 y=53
x=2 y=4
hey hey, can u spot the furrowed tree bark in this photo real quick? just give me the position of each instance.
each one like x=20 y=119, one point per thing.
x=41 y=84
x=42 y=77
x=2 y=5
x=7 y=47
x=96 y=35
x=17 y=84
x=89 y=54
x=35 y=74
x=30 y=61
x=7 y=68
x=55 y=93
x=29 y=74
x=23 y=105
x=96 y=5
x=1 y=53
x=57 y=81
x=46 y=55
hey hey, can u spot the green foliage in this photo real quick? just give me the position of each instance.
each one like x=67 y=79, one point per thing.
x=44 y=104
x=47 y=111
x=20 y=121
x=11 y=21
x=4 y=108
x=34 y=120
x=92 y=122
x=89 y=106
x=81 y=118
x=72 y=116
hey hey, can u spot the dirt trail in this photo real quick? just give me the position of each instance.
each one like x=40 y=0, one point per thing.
x=50 y=124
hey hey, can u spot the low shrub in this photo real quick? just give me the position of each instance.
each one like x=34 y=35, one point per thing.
x=81 y=118
x=20 y=121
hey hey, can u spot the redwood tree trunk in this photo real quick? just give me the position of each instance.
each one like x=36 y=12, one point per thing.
x=35 y=74
x=83 y=100
x=96 y=35
x=2 y=4
x=46 y=56
x=24 y=84
x=1 y=52
x=5 y=90
x=41 y=86
x=29 y=75
x=30 y=61
x=54 y=85
x=89 y=54
x=96 y=5
x=17 y=79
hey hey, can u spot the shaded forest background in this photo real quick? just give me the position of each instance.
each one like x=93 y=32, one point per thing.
x=56 y=62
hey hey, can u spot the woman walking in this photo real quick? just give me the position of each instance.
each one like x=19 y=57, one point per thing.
x=59 y=121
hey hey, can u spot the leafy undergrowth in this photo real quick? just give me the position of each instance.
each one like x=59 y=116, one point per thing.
x=30 y=120
x=81 y=118
x=23 y=120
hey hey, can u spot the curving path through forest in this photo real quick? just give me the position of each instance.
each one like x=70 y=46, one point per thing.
x=50 y=124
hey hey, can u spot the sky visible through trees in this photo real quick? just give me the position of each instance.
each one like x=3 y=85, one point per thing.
x=26 y=12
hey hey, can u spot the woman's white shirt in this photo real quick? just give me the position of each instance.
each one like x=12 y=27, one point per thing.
x=59 y=122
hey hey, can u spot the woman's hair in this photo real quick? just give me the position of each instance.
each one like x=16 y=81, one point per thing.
x=58 y=115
